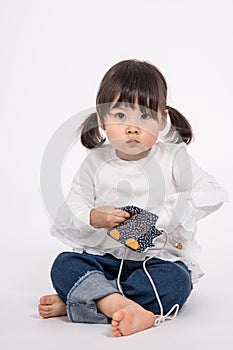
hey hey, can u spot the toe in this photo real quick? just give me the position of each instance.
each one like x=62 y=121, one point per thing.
x=115 y=328
x=117 y=333
x=115 y=323
x=45 y=300
x=118 y=316
x=44 y=308
x=44 y=314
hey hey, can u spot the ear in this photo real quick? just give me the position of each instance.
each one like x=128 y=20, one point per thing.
x=101 y=125
x=163 y=121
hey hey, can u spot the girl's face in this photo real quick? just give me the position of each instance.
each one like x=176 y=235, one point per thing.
x=132 y=132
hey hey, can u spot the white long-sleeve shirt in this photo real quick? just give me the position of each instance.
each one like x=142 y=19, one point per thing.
x=167 y=183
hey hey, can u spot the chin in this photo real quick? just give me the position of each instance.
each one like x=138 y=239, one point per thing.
x=136 y=149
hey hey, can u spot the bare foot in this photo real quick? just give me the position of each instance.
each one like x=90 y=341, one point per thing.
x=133 y=318
x=51 y=306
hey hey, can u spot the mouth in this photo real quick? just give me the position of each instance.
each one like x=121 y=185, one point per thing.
x=132 y=142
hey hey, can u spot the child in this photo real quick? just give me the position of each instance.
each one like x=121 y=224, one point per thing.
x=103 y=280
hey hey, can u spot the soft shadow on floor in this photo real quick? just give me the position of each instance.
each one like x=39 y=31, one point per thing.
x=203 y=323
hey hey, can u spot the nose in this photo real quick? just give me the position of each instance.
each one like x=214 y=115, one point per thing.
x=132 y=129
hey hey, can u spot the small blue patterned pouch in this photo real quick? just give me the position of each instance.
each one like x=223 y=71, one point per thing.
x=137 y=232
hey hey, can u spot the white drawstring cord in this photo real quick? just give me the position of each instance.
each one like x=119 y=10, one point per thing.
x=160 y=318
x=119 y=274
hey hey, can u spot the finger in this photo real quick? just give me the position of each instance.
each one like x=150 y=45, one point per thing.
x=116 y=221
x=121 y=213
x=120 y=220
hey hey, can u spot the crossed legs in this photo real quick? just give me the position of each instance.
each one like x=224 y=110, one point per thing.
x=127 y=316
x=130 y=313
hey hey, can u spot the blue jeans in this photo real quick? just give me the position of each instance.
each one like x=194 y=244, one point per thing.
x=81 y=279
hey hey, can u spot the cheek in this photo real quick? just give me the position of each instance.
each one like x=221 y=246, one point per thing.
x=113 y=132
x=150 y=139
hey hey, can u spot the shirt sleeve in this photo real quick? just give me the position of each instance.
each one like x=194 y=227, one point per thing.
x=197 y=195
x=72 y=224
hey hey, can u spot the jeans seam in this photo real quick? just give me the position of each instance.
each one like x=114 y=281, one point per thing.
x=82 y=311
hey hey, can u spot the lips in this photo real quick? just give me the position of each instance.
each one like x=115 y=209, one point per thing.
x=132 y=142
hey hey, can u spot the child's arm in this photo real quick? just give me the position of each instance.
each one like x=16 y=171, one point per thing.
x=198 y=195
x=78 y=221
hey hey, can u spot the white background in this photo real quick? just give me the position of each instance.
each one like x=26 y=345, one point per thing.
x=53 y=56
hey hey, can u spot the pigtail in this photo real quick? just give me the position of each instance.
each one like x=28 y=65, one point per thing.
x=90 y=133
x=181 y=125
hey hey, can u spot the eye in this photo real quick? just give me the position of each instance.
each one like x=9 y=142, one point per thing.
x=120 y=116
x=145 y=116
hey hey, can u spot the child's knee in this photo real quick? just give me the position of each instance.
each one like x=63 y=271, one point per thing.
x=60 y=264
x=180 y=285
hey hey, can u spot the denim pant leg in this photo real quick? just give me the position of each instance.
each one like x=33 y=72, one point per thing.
x=172 y=281
x=79 y=280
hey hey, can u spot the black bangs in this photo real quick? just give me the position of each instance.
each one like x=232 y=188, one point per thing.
x=133 y=82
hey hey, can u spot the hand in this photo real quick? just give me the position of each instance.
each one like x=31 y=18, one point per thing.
x=107 y=217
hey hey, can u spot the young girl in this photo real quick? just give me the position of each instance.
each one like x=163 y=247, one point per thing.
x=103 y=280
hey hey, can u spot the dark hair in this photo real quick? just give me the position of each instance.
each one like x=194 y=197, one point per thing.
x=133 y=81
